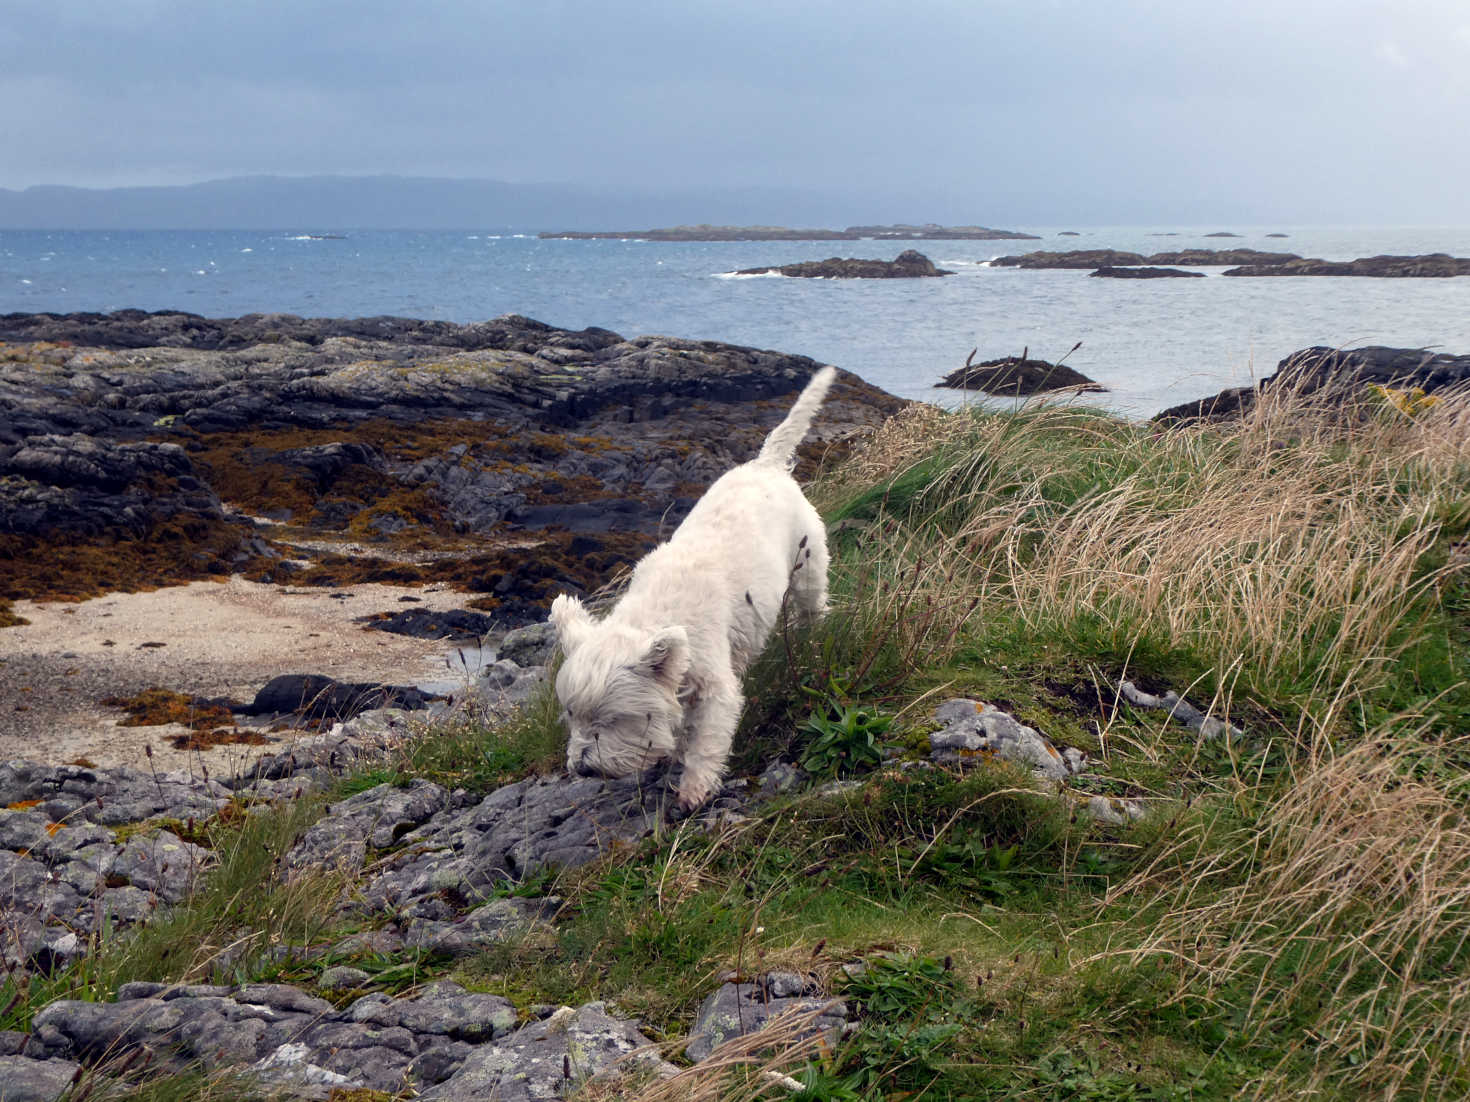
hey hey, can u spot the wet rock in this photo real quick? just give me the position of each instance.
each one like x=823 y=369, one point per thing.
x=315 y=697
x=455 y=624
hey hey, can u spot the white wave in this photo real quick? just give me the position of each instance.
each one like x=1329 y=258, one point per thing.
x=773 y=274
x=26 y=282
x=247 y=250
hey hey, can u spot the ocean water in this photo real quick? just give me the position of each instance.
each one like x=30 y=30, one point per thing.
x=1153 y=343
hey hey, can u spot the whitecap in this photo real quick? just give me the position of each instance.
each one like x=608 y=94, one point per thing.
x=247 y=249
x=773 y=274
x=26 y=282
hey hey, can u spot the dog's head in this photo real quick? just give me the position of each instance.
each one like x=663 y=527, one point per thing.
x=618 y=689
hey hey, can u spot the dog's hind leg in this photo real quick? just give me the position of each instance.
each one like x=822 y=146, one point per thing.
x=711 y=726
x=809 y=577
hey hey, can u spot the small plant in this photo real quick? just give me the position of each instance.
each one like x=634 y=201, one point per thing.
x=844 y=744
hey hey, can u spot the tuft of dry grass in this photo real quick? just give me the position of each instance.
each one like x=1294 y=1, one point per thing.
x=759 y=1065
x=1290 y=545
x=1338 y=927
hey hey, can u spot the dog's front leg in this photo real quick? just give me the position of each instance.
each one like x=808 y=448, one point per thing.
x=711 y=727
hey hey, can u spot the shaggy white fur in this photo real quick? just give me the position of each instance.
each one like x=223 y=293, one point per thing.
x=659 y=677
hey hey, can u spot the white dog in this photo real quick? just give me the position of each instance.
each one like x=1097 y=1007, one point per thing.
x=659 y=677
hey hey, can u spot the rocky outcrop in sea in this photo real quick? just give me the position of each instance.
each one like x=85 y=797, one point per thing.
x=909 y=264
x=1339 y=374
x=1113 y=258
x=1424 y=266
x=1016 y=376
x=1145 y=273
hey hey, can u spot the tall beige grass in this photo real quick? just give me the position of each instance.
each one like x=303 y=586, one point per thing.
x=1289 y=545
x=1337 y=929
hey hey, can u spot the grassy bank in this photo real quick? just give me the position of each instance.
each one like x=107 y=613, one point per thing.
x=1291 y=917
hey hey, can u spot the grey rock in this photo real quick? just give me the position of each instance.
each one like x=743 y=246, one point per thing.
x=531 y=645
x=377 y=817
x=343 y=978
x=739 y=1009
x=1182 y=711
x=530 y=1063
x=23 y=1079
x=973 y=730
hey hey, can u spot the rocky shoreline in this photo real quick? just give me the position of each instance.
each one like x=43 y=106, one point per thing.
x=508 y=460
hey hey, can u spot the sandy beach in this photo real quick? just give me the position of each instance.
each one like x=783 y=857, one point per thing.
x=207 y=639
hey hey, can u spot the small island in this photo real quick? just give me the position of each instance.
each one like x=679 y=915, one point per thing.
x=896 y=232
x=1114 y=258
x=1109 y=272
x=909 y=264
x=1017 y=376
x=1425 y=266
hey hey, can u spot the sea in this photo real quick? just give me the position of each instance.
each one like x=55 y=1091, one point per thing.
x=1151 y=343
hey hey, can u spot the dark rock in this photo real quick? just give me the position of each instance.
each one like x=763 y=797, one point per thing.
x=315 y=697
x=1016 y=376
x=909 y=264
x=1222 y=233
x=1082 y=258
x=1144 y=273
x=455 y=624
x=1342 y=373
x=1111 y=258
x=1425 y=266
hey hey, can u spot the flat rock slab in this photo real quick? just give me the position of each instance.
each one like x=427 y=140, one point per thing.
x=514 y=833
x=740 y=1009
x=552 y=1058
x=23 y=1079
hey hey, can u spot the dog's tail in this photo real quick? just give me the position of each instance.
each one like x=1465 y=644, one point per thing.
x=780 y=447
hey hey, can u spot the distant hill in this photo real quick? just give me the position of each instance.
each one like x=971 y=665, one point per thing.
x=404 y=202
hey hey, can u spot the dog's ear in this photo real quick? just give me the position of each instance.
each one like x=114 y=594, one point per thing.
x=666 y=657
x=571 y=621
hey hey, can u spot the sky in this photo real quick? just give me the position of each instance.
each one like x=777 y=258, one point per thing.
x=975 y=110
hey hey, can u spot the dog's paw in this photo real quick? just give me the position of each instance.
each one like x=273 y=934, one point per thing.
x=693 y=794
